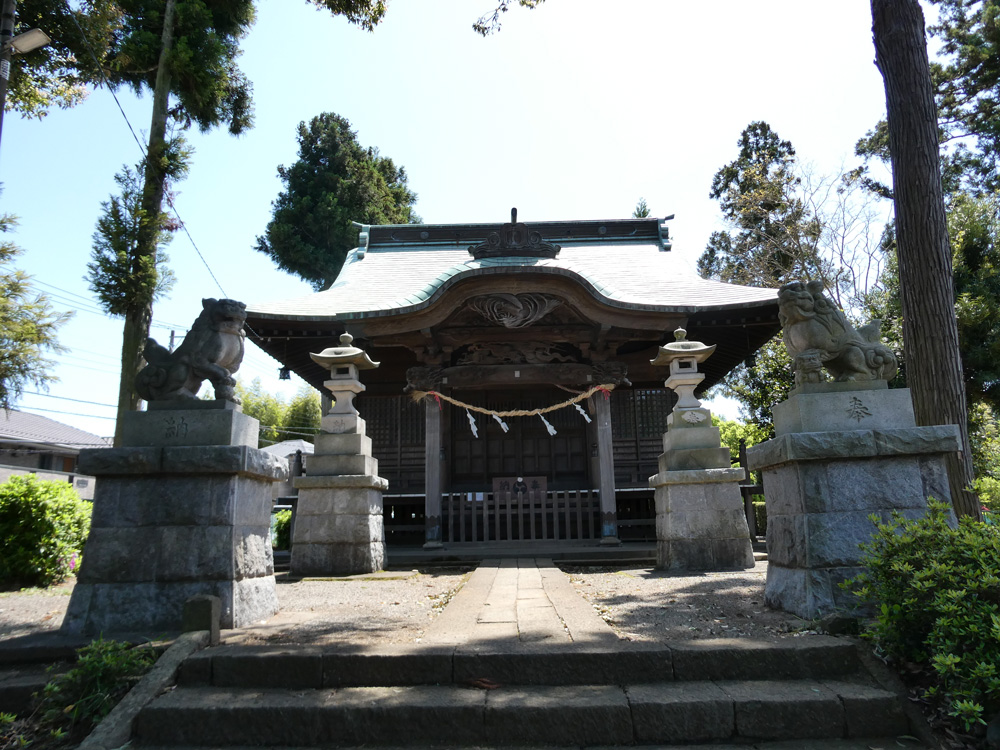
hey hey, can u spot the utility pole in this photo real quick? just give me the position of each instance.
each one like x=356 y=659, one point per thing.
x=6 y=51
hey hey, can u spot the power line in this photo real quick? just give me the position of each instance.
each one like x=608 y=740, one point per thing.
x=35 y=280
x=100 y=69
x=67 y=398
x=113 y=357
x=92 y=369
x=142 y=147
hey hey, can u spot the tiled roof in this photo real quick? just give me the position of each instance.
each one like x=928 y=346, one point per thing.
x=23 y=427
x=400 y=279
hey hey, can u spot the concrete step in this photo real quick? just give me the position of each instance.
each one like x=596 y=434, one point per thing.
x=18 y=683
x=580 y=715
x=310 y=667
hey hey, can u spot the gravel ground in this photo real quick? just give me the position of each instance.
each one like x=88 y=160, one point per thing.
x=389 y=607
x=640 y=603
x=643 y=604
x=33 y=610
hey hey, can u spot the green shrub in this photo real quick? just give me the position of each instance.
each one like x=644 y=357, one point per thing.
x=281 y=530
x=936 y=592
x=75 y=701
x=988 y=490
x=43 y=526
x=760 y=516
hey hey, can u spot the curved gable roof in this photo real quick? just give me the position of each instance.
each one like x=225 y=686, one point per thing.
x=396 y=277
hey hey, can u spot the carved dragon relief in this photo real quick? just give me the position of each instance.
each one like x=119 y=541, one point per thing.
x=514 y=310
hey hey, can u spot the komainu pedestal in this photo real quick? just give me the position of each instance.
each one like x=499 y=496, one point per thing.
x=843 y=451
x=700 y=522
x=183 y=509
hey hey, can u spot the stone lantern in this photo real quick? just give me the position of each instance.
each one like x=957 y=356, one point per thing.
x=343 y=362
x=700 y=521
x=683 y=357
x=338 y=526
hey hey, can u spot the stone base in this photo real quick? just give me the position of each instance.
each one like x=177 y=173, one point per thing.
x=810 y=593
x=150 y=608
x=821 y=489
x=700 y=522
x=170 y=523
x=342 y=559
x=338 y=526
x=186 y=423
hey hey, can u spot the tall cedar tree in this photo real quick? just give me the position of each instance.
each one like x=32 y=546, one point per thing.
x=774 y=236
x=966 y=78
x=185 y=49
x=335 y=181
x=967 y=84
x=188 y=49
x=57 y=74
x=930 y=332
x=118 y=274
x=974 y=228
x=86 y=33
x=28 y=327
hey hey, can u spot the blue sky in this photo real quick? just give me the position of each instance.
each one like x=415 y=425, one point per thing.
x=574 y=111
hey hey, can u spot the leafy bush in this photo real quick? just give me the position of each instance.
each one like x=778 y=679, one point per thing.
x=75 y=701
x=988 y=489
x=760 y=516
x=281 y=530
x=43 y=526
x=937 y=595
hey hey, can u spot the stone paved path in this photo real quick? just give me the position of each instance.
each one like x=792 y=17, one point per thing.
x=519 y=602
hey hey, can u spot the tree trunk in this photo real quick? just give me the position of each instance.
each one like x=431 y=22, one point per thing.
x=930 y=331
x=140 y=312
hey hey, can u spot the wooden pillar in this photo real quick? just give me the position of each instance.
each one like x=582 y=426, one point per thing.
x=606 y=469
x=432 y=473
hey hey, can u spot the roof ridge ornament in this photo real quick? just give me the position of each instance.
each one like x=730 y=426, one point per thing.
x=514 y=239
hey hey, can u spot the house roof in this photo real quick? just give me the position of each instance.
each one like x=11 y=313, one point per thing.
x=23 y=427
x=289 y=447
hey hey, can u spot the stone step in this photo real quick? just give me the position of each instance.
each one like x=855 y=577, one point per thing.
x=18 y=683
x=572 y=664
x=457 y=716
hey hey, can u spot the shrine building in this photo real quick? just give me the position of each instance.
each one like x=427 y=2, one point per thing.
x=516 y=317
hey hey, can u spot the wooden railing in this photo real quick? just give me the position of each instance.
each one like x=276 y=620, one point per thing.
x=533 y=516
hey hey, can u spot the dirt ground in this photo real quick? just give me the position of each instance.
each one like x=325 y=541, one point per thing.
x=644 y=604
x=640 y=603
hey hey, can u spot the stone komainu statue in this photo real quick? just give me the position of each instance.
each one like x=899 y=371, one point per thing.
x=817 y=335
x=212 y=350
